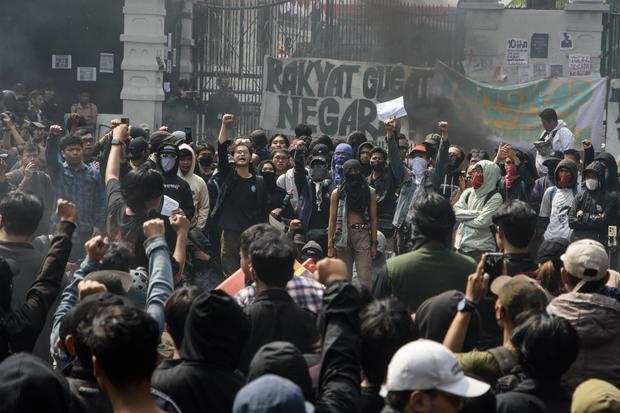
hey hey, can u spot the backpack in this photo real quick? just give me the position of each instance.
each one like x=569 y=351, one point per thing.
x=554 y=189
x=509 y=367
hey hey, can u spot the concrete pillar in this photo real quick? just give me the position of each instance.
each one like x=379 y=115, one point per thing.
x=143 y=60
x=187 y=41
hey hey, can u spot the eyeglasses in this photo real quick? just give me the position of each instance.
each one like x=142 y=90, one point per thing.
x=242 y=152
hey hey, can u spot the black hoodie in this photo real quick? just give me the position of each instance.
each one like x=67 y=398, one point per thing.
x=216 y=331
x=27 y=384
x=598 y=206
x=366 y=168
x=174 y=186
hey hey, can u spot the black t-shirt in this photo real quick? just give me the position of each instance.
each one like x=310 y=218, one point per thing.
x=240 y=209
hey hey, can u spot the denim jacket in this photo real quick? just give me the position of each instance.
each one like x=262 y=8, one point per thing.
x=431 y=182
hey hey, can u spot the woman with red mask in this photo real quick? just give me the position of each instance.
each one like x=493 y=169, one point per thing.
x=475 y=209
x=519 y=179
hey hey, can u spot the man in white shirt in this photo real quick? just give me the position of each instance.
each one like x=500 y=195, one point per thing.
x=555 y=137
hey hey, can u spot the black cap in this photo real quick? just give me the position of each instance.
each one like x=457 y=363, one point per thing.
x=159 y=137
x=555 y=156
x=320 y=151
x=551 y=249
x=136 y=147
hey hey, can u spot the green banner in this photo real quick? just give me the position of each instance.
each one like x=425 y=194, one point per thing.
x=511 y=112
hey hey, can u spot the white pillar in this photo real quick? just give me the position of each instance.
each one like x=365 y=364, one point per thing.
x=187 y=41
x=143 y=60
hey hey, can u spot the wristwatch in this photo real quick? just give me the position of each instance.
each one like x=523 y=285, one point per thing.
x=116 y=142
x=466 y=306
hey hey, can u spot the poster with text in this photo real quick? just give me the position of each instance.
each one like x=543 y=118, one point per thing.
x=579 y=65
x=334 y=97
x=61 y=61
x=86 y=74
x=106 y=62
x=517 y=51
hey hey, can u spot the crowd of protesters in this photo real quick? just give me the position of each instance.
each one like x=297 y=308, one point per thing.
x=445 y=280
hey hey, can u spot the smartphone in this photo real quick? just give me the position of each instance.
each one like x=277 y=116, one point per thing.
x=125 y=121
x=188 y=136
x=493 y=264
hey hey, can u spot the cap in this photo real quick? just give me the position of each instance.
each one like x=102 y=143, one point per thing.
x=312 y=249
x=519 y=294
x=587 y=260
x=428 y=365
x=112 y=279
x=178 y=137
x=169 y=147
x=418 y=148
x=432 y=139
x=551 y=249
x=271 y=393
x=38 y=125
x=596 y=396
x=320 y=151
x=158 y=138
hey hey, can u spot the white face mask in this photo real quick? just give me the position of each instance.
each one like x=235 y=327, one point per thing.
x=419 y=167
x=592 y=184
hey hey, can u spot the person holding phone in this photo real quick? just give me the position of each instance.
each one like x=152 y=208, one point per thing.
x=181 y=109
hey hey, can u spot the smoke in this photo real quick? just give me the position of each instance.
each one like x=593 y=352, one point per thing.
x=417 y=34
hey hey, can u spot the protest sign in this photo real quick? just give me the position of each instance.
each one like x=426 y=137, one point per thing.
x=334 y=97
x=511 y=112
x=392 y=109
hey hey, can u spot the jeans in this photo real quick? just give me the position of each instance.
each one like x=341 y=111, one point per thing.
x=358 y=251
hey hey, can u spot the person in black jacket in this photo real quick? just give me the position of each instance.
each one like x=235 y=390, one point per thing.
x=174 y=186
x=241 y=201
x=594 y=208
x=216 y=331
x=518 y=181
x=547 y=346
x=274 y=315
x=20 y=328
x=339 y=377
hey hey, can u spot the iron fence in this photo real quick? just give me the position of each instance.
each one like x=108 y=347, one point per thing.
x=233 y=36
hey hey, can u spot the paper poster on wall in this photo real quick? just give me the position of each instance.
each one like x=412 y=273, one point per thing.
x=539 y=71
x=579 y=65
x=556 y=70
x=106 y=62
x=61 y=61
x=566 y=41
x=86 y=74
x=525 y=74
x=517 y=51
x=539 y=48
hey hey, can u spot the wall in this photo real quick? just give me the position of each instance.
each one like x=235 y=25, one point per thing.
x=487 y=31
x=31 y=31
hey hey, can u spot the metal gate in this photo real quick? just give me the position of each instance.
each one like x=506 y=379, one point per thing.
x=233 y=36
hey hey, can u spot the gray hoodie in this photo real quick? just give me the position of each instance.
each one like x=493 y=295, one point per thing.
x=474 y=212
x=596 y=318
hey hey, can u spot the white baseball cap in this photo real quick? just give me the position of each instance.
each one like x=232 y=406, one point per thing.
x=428 y=365
x=586 y=260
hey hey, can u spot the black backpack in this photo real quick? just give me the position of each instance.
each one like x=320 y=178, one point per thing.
x=510 y=368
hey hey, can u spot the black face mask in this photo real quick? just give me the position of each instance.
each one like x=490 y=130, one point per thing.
x=269 y=178
x=454 y=161
x=377 y=166
x=205 y=160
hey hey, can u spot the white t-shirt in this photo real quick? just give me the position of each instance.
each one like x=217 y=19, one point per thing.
x=557 y=211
